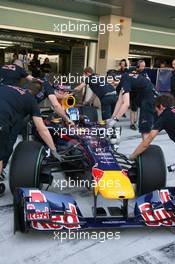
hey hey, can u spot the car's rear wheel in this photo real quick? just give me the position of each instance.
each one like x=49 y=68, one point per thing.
x=151 y=170
x=25 y=167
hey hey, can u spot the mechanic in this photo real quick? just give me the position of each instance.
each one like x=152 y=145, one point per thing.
x=140 y=69
x=11 y=74
x=15 y=104
x=103 y=90
x=164 y=105
x=47 y=91
x=145 y=96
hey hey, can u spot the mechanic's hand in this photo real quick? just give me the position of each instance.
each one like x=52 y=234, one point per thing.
x=130 y=157
x=56 y=155
x=112 y=123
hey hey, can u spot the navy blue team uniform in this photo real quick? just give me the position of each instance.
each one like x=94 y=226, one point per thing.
x=173 y=83
x=166 y=121
x=143 y=90
x=12 y=74
x=46 y=91
x=105 y=92
x=133 y=95
x=15 y=104
x=16 y=129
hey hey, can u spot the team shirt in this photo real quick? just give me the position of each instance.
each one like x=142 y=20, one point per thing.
x=138 y=84
x=166 y=121
x=11 y=74
x=15 y=104
x=98 y=85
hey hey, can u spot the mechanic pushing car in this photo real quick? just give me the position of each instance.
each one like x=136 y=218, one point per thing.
x=47 y=91
x=15 y=104
x=134 y=82
x=140 y=69
x=103 y=90
x=164 y=106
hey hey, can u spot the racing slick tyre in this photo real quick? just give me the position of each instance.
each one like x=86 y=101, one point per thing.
x=25 y=167
x=151 y=170
x=2 y=189
x=90 y=112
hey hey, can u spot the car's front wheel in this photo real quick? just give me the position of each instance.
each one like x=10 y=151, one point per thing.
x=25 y=166
x=151 y=169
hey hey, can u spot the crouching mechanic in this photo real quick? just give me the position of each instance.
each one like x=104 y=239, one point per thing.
x=103 y=90
x=15 y=104
x=143 y=89
x=165 y=109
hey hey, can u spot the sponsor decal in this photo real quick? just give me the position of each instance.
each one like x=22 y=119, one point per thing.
x=158 y=217
x=68 y=220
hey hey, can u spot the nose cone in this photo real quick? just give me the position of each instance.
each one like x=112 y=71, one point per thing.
x=115 y=185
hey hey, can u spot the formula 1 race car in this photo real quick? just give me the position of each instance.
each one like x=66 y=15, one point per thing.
x=94 y=157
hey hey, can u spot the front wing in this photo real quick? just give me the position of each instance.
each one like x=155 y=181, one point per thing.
x=42 y=210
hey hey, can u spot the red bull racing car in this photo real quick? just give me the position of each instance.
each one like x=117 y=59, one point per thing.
x=94 y=158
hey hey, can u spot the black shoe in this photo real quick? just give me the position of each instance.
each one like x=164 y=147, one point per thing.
x=2 y=189
x=2 y=176
x=133 y=127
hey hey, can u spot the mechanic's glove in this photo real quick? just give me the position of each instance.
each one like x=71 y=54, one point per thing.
x=56 y=155
x=112 y=122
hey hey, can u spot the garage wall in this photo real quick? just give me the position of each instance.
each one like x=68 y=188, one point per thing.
x=148 y=35
x=42 y=20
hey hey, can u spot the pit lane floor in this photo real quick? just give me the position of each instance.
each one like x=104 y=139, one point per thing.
x=146 y=246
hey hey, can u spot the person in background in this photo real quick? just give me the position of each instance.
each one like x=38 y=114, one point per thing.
x=163 y=65
x=35 y=65
x=173 y=79
x=15 y=57
x=46 y=67
x=123 y=67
